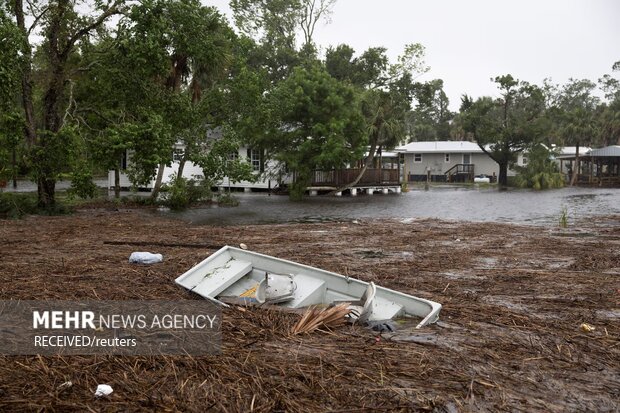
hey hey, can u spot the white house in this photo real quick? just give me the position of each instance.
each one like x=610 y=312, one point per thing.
x=445 y=161
x=270 y=175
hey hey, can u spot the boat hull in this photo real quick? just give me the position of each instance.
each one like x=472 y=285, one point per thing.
x=233 y=272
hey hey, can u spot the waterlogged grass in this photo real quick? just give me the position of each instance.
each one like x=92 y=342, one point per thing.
x=564 y=218
x=18 y=205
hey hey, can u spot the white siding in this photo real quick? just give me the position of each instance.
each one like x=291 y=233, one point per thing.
x=269 y=179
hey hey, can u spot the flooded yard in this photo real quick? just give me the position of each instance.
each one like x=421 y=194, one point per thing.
x=478 y=204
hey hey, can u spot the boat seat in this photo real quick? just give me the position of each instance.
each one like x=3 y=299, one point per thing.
x=384 y=309
x=309 y=291
x=222 y=277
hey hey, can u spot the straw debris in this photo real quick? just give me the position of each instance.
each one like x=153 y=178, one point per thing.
x=315 y=318
x=508 y=338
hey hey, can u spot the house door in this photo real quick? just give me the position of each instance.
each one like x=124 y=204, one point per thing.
x=466 y=158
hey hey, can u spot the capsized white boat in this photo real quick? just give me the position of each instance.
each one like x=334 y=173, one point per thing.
x=233 y=272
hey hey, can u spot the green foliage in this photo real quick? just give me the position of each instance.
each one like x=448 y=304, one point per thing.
x=11 y=126
x=52 y=155
x=220 y=159
x=367 y=70
x=150 y=144
x=17 y=205
x=572 y=112
x=272 y=21
x=506 y=126
x=183 y=192
x=82 y=184
x=431 y=117
x=541 y=171
x=10 y=45
x=384 y=113
x=320 y=125
x=609 y=123
x=227 y=199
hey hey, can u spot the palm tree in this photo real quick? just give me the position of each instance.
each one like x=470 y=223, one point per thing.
x=579 y=128
x=385 y=126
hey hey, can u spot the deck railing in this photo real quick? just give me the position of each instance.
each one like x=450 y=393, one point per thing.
x=341 y=177
x=460 y=169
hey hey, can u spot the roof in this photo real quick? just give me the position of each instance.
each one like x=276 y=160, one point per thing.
x=440 y=147
x=608 y=151
x=570 y=151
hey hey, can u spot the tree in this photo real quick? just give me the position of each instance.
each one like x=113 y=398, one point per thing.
x=579 y=126
x=508 y=125
x=319 y=125
x=11 y=121
x=278 y=21
x=386 y=92
x=62 y=27
x=609 y=112
x=573 y=109
x=313 y=11
x=385 y=127
x=430 y=119
x=541 y=171
x=275 y=26
x=194 y=40
x=220 y=160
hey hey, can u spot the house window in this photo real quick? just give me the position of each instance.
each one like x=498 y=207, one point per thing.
x=447 y=157
x=524 y=160
x=255 y=160
x=417 y=157
x=177 y=155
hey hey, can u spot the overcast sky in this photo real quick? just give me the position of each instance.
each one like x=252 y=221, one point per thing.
x=469 y=41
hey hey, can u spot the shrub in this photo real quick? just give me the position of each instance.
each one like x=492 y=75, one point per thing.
x=183 y=192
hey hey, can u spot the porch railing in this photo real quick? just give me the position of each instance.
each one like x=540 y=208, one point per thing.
x=341 y=177
x=460 y=170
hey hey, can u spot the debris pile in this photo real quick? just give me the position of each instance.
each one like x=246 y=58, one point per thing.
x=512 y=310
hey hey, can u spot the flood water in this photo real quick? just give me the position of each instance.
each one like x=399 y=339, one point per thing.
x=449 y=203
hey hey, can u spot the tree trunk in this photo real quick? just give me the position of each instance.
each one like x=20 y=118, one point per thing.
x=158 y=181
x=52 y=124
x=502 y=180
x=117 y=183
x=573 y=179
x=367 y=162
x=46 y=188
x=182 y=165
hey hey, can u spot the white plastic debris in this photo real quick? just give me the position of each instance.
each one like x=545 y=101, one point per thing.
x=145 y=258
x=64 y=386
x=243 y=246
x=103 y=390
